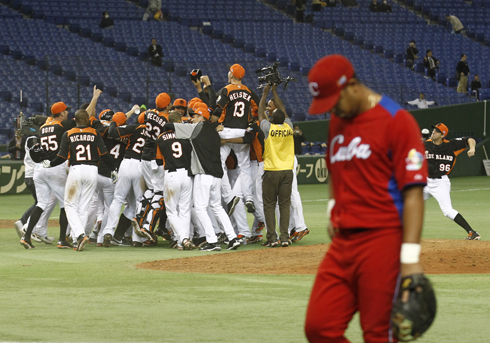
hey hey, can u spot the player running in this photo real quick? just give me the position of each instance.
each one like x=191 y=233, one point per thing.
x=441 y=154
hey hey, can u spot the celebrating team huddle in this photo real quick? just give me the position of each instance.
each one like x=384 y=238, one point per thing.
x=185 y=172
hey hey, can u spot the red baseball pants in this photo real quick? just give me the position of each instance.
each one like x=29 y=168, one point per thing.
x=359 y=273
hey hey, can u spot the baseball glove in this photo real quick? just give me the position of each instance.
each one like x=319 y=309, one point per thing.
x=410 y=319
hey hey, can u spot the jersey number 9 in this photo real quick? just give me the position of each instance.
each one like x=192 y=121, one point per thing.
x=177 y=149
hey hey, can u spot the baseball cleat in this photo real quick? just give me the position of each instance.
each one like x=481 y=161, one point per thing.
x=100 y=245
x=249 y=204
x=286 y=244
x=260 y=227
x=137 y=228
x=243 y=239
x=173 y=244
x=270 y=244
x=221 y=238
x=107 y=240
x=19 y=227
x=137 y=244
x=26 y=243
x=187 y=244
x=232 y=204
x=255 y=239
x=199 y=242
x=298 y=235
x=148 y=235
x=44 y=239
x=36 y=238
x=473 y=236
x=81 y=241
x=64 y=245
x=233 y=245
x=211 y=247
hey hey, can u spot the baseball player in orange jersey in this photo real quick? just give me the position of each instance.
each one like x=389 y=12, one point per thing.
x=82 y=146
x=175 y=156
x=151 y=204
x=54 y=179
x=441 y=154
x=130 y=179
x=233 y=110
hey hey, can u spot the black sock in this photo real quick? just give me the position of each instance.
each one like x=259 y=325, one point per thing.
x=36 y=214
x=122 y=227
x=163 y=216
x=63 y=224
x=462 y=222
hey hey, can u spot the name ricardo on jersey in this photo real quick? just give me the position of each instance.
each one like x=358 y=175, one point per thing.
x=240 y=95
x=346 y=153
x=78 y=138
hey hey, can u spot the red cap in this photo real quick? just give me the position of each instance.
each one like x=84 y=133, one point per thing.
x=59 y=107
x=326 y=79
x=441 y=128
x=180 y=103
x=162 y=100
x=119 y=118
x=202 y=111
x=141 y=118
x=238 y=71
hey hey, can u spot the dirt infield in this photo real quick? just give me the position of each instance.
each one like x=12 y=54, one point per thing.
x=439 y=256
x=9 y=223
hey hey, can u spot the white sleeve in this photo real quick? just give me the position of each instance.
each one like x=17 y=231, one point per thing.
x=414 y=102
x=431 y=102
x=184 y=131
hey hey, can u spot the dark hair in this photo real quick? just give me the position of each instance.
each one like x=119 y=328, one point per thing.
x=278 y=117
x=462 y=55
x=413 y=41
x=84 y=106
x=104 y=13
x=448 y=15
x=427 y=52
x=477 y=75
x=81 y=116
x=422 y=93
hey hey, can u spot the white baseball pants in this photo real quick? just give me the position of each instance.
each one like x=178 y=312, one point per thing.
x=207 y=191
x=440 y=189
x=49 y=180
x=129 y=186
x=296 y=218
x=177 y=193
x=80 y=187
x=242 y=152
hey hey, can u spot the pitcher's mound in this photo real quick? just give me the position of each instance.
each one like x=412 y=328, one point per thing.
x=439 y=256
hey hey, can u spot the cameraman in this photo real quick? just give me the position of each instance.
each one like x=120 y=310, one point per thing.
x=207 y=94
x=16 y=147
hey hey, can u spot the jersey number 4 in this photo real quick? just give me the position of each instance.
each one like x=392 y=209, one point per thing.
x=49 y=143
x=83 y=153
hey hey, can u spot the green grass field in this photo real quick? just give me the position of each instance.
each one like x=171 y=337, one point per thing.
x=52 y=295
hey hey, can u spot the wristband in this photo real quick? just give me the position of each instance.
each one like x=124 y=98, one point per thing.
x=330 y=205
x=410 y=253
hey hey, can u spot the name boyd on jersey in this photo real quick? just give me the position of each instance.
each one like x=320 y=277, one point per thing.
x=347 y=153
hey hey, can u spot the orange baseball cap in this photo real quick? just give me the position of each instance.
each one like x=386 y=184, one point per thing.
x=59 y=107
x=202 y=111
x=441 y=128
x=162 y=100
x=200 y=105
x=326 y=80
x=106 y=114
x=119 y=118
x=141 y=118
x=238 y=71
x=180 y=103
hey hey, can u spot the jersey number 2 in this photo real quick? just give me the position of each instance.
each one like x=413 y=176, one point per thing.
x=83 y=150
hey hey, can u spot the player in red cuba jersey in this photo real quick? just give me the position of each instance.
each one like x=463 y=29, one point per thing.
x=375 y=157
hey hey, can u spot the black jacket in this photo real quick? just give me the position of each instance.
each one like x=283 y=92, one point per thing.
x=462 y=67
x=411 y=52
x=106 y=22
x=155 y=52
x=374 y=7
x=16 y=153
x=427 y=64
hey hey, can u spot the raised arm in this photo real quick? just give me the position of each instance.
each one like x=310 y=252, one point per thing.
x=262 y=103
x=93 y=102
x=277 y=101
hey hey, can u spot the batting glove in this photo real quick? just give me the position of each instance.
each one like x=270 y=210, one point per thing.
x=114 y=176
x=46 y=163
